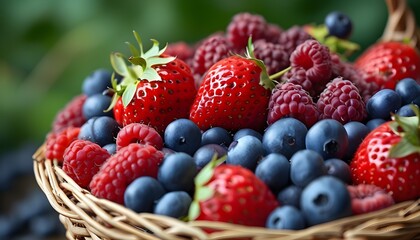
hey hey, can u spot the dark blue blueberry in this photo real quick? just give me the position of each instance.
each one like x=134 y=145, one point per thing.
x=286 y=217
x=183 y=135
x=97 y=82
x=329 y=138
x=290 y=196
x=167 y=151
x=374 y=123
x=111 y=148
x=96 y=105
x=408 y=89
x=174 y=204
x=356 y=132
x=45 y=225
x=101 y=130
x=216 y=135
x=383 y=103
x=305 y=166
x=177 y=172
x=339 y=169
x=325 y=199
x=142 y=194
x=286 y=136
x=338 y=24
x=274 y=171
x=247 y=131
x=8 y=227
x=206 y=152
x=33 y=205
x=246 y=152
x=406 y=111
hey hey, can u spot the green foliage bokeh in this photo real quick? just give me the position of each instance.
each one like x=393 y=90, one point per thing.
x=47 y=47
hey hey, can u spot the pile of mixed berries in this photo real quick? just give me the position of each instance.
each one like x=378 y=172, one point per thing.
x=256 y=125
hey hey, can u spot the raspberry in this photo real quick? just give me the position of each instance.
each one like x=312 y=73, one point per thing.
x=71 y=115
x=315 y=59
x=291 y=100
x=272 y=33
x=293 y=37
x=122 y=168
x=139 y=133
x=273 y=55
x=209 y=51
x=82 y=160
x=368 y=198
x=298 y=76
x=244 y=25
x=180 y=50
x=341 y=101
x=343 y=69
x=57 y=143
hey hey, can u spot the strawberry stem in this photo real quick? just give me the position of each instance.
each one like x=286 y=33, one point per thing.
x=279 y=74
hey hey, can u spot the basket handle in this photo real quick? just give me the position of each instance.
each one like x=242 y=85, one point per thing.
x=401 y=24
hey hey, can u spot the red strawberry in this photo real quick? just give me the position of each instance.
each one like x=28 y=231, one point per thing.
x=155 y=90
x=122 y=168
x=234 y=94
x=231 y=193
x=57 y=143
x=384 y=64
x=82 y=160
x=389 y=157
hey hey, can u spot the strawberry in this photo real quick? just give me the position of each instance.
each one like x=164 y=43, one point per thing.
x=234 y=94
x=389 y=157
x=384 y=64
x=155 y=90
x=231 y=193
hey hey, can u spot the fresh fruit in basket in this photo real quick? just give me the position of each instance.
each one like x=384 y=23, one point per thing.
x=248 y=147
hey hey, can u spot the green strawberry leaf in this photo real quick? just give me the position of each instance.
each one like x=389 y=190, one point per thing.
x=118 y=63
x=133 y=49
x=128 y=94
x=153 y=51
x=138 y=61
x=206 y=172
x=139 y=42
x=203 y=193
x=403 y=149
x=159 y=61
x=194 y=211
x=151 y=74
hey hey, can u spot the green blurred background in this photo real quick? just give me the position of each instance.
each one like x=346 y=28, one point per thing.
x=47 y=47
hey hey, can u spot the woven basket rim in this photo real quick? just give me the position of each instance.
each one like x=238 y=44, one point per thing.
x=84 y=215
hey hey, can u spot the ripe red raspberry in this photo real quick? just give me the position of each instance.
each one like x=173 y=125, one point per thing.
x=298 y=76
x=122 y=168
x=180 y=50
x=368 y=198
x=293 y=37
x=315 y=59
x=71 y=115
x=242 y=26
x=139 y=133
x=57 y=142
x=209 y=51
x=272 y=33
x=341 y=101
x=273 y=55
x=82 y=160
x=291 y=100
x=344 y=69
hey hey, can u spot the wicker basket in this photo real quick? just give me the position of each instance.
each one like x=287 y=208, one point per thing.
x=86 y=217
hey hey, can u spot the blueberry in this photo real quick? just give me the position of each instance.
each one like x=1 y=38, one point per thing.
x=338 y=24
x=33 y=205
x=206 y=152
x=177 y=172
x=97 y=82
x=290 y=196
x=325 y=199
x=406 y=111
x=286 y=136
x=8 y=227
x=374 y=123
x=329 y=138
x=96 y=105
x=286 y=217
x=174 y=204
x=45 y=225
x=339 y=169
x=111 y=148
x=356 y=132
x=383 y=103
x=183 y=135
x=246 y=152
x=274 y=171
x=305 y=166
x=101 y=130
x=247 y=131
x=142 y=194
x=408 y=89
x=216 y=135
